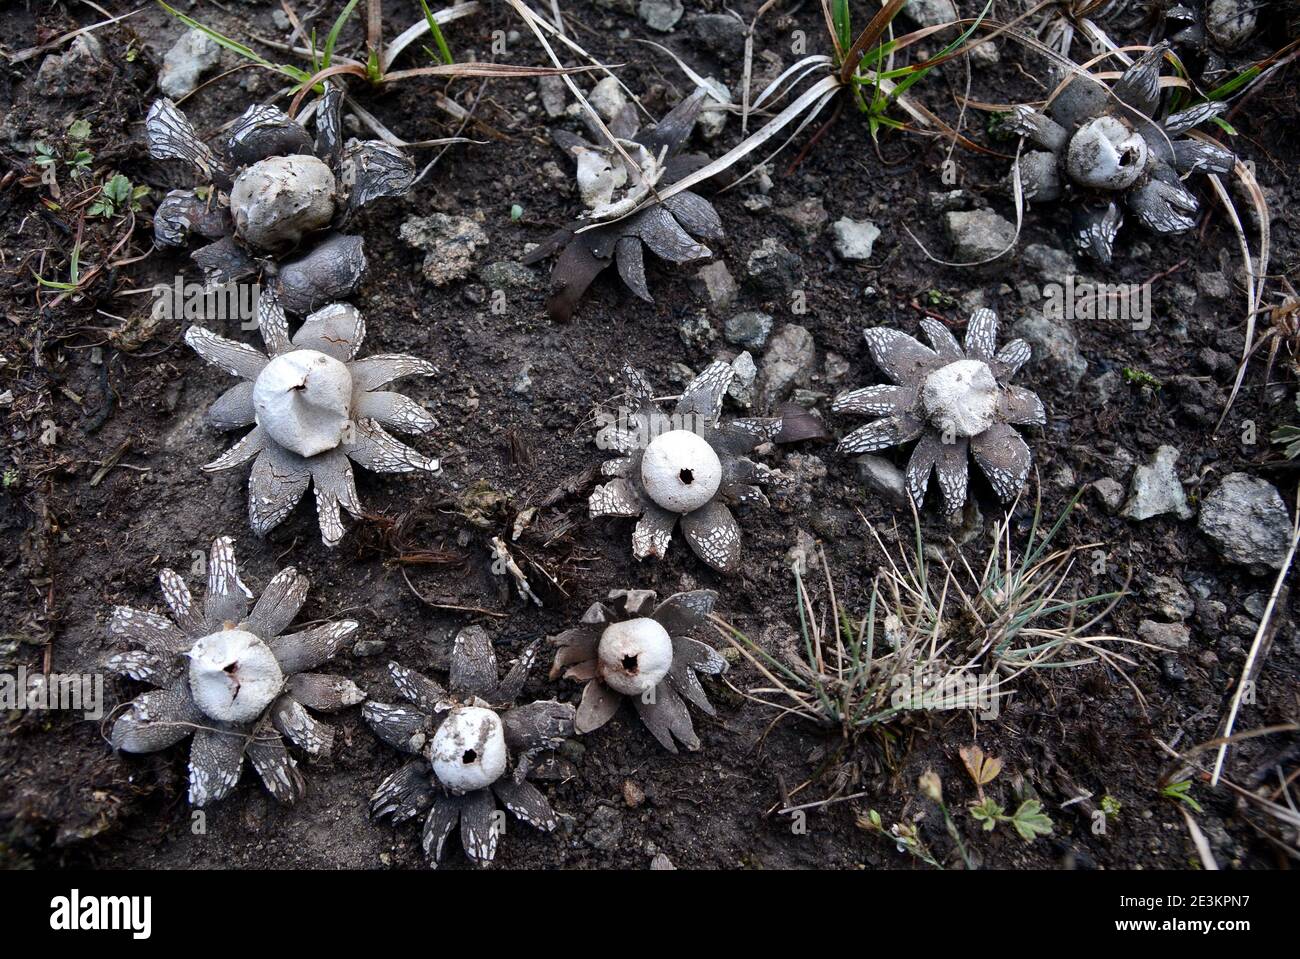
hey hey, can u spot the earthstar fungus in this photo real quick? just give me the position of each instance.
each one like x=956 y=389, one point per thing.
x=687 y=466
x=231 y=677
x=315 y=408
x=1108 y=145
x=954 y=400
x=609 y=231
x=473 y=748
x=633 y=648
x=272 y=199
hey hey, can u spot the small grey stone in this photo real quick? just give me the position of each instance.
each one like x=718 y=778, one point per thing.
x=554 y=94
x=661 y=15
x=369 y=647
x=697 y=330
x=1110 y=493
x=604 y=828
x=854 y=239
x=1230 y=22
x=807 y=217
x=1055 y=348
x=1103 y=389
x=1210 y=613
x=607 y=98
x=978 y=235
x=772 y=267
x=714 y=113
x=72 y=72
x=1051 y=265
x=450 y=244
x=508 y=275
x=523 y=383
x=1170 y=598
x=790 y=360
x=1247 y=520
x=946 y=202
x=881 y=476
x=802 y=556
x=720 y=33
x=1213 y=285
x=1173 y=670
x=661 y=862
x=1255 y=604
x=1243 y=626
x=1156 y=489
x=749 y=330
x=1168 y=635
x=985 y=55
x=187 y=60
x=930 y=13
x=741 y=388
x=835 y=370
x=714 y=282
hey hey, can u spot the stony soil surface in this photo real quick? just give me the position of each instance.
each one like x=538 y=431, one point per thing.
x=104 y=435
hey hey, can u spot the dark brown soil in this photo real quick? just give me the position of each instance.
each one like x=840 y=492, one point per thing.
x=74 y=543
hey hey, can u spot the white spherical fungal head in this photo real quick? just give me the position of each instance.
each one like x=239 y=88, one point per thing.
x=233 y=676
x=1106 y=154
x=680 y=471
x=961 y=398
x=303 y=400
x=276 y=200
x=635 y=655
x=468 y=751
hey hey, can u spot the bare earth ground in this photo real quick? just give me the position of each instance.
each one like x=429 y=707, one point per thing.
x=73 y=547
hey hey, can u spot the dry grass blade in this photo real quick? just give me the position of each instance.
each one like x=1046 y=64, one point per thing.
x=540 y=28
x=1256 y=274
x=822 y=89
x=1254 y=658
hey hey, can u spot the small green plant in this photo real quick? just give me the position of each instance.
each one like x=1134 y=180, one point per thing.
x=74 y=274
x=932 y=786
x=906 y=837
x=865 y=64
x=1028 y=820
x=1288 y=436
x=10 y=479
x=1138 y=377
x=75 y=156
x=940 y=299
x=116 y=196
x=1181 y=791
x=1110 y=806
x=847 y=674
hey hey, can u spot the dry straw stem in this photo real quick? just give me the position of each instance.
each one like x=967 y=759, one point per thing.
x=540 y=28
x=1277 y=803
x=1258 y=649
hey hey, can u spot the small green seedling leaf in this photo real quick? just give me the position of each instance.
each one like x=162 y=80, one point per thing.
x=1181 y=791
x=1030 y=820
x=988 y=814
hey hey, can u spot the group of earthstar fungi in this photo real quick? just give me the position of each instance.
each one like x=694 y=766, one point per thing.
x=231 y=676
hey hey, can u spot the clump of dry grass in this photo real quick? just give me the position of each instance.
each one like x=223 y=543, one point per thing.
x=936 y=635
